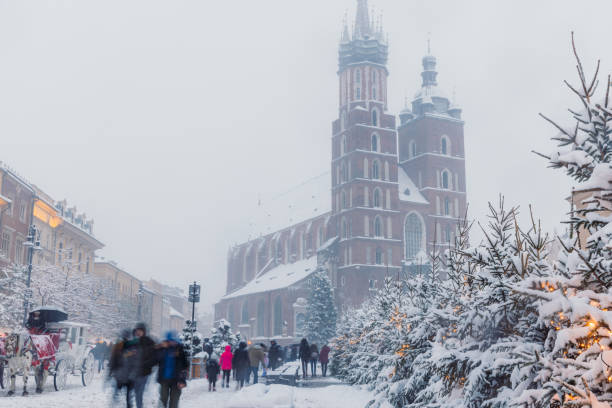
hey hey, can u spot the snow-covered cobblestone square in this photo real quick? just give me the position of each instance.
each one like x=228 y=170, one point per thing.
x=196 y=395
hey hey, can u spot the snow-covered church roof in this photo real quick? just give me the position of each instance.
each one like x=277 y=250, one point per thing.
x=279 y=277
x=302 y=202
x=408 y=191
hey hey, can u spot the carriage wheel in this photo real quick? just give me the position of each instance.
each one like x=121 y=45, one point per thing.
x=88 y=369
x=61 y=375
x=1 y=375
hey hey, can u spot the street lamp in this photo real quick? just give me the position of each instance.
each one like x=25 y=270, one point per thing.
x=32 y=244
x=194 y=297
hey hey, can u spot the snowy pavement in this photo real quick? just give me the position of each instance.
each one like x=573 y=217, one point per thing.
x=196 y=395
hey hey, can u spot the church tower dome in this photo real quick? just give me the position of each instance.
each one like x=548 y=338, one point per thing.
x=430 y=98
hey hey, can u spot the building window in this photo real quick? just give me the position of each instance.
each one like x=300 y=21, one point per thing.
x=5 y=244
x=358 y=93
x=447 y=234
x=373 y=92
x=444 y=145
x=374 y=117
x=375 y=170
x=343 y=145
x=342 y=281
x=377 y=227
x=261 y=313
x=343 y=195
x=375 y=143
x=61 y=249
x=344 y=172
x=412 y=149
x=244 y=318
x=278 y=317
x=358 y=76
x=22 y=213
x=447 y=206
x=379 y=256
x=376 y=199
x=445 y=179
x=320 y=236
x=344 y=229
x=371 y=284
x=343 y=120
x=413 y=235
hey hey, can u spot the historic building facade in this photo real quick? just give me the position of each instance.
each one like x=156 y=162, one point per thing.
x=397 y=190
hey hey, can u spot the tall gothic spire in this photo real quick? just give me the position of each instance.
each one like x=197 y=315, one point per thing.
x=362 y=20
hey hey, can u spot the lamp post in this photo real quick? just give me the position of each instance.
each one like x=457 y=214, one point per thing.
x=31 y=244
x=194 y=297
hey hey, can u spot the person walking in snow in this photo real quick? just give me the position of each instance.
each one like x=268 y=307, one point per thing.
x=212 y=372
x=98 y=352
x=314 y=357
x=240 y=364
x=146 y=349
x=304 y=356
x=257 y=355
x=122 y=367
x=275 y=355
x=324 y=359
x=173 y=366
x=226 y=366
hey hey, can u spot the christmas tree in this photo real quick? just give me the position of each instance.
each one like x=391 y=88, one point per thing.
x=320 y=324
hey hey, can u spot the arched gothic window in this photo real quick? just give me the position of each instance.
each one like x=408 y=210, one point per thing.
x=375 y=170
x=375 y=144
x=445 y=179
x=377 y=227
x=444 y=145
x=379 y=256
x=413 y=236
x=374 y=117
x=447 y=206
x=376 y=200
x=278 y=317
x=261 y=314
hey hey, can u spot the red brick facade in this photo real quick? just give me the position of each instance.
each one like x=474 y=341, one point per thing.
x=396 y=191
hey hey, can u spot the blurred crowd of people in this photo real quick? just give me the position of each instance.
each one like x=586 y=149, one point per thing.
x=134 y=357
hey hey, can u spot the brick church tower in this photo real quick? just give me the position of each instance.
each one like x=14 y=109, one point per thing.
x=364 y=165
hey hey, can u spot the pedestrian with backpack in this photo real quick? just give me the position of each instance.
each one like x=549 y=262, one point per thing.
x=173 y=366
x=212 y=372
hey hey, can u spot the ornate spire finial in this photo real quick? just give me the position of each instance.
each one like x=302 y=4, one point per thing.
x=362 y=19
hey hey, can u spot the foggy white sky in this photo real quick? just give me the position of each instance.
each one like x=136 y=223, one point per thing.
x=163 y=119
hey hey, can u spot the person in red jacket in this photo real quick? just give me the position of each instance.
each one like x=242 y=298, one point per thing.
x=226 y=365
x=324 y=358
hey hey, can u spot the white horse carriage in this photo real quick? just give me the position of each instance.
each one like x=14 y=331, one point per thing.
x=51 y=346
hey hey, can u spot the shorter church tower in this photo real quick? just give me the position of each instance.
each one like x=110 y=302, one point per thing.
x=431 y=152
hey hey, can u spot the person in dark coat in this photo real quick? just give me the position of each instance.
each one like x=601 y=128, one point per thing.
x=212 y=373
x=304 y=355
x=122 y=367
x=99 y=355
x=208 y=348
x=275 y=355
x=173 y=367
x=240 y=364
x=324 y=358
x=145 y=346
x=314 y=357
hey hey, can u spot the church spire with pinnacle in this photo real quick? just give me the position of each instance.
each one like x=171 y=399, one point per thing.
x=363 y=26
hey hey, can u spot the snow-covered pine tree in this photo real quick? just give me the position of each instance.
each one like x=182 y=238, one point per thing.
x=222 y=335
x=321 y=315
x=576 y=300
x=192 y=340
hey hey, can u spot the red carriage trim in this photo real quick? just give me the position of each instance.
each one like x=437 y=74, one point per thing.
x=44 y=345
